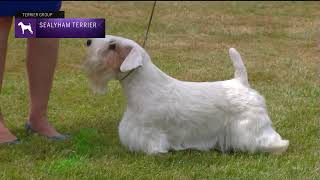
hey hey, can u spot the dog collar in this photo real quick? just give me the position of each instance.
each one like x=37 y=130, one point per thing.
x=127 y=74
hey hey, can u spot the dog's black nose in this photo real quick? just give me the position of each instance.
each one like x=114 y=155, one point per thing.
x=112 y=46
x=89 y=42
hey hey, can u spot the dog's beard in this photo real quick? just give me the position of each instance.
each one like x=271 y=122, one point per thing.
x=99 y=85
x=98 y=76
x=98 y=88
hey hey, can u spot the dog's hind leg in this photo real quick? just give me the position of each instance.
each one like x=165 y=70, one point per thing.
x=256 y=135
x=270 y=141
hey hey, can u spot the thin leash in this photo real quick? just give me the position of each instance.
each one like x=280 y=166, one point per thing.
x=145 y=37
x=150 y=19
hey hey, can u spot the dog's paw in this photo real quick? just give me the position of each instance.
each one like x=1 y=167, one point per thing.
x=279 y=148
x=157 y=152
x=156 y=149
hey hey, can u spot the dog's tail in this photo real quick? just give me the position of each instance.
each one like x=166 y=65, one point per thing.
x=240 y=70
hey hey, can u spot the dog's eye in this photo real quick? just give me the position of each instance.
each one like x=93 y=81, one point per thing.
x=112 y=46
x=89 y=42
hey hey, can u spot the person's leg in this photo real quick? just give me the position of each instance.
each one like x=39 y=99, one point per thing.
x=42 y=56
x=5 y=24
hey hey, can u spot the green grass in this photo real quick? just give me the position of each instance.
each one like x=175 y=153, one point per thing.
x=279 y=42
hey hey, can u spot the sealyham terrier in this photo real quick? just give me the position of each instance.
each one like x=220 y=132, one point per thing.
x=165 y=114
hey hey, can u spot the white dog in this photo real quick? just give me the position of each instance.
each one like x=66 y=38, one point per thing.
x=25 y=27
x=165 y=114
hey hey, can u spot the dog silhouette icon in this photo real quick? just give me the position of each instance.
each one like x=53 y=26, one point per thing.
x=25 y=27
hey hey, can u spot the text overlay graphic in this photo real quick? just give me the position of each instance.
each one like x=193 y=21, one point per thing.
x=59 y=28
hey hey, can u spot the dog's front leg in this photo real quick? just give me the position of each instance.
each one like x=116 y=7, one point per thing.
x=140 y=138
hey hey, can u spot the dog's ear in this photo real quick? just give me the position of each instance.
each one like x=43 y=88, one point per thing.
x=132 y=61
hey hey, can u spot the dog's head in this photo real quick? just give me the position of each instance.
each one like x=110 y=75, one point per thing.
x=110 y=58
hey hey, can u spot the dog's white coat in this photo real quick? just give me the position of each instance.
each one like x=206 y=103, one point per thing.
x=165 y=114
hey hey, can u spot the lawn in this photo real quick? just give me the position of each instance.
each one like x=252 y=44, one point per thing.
x=279 y=42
